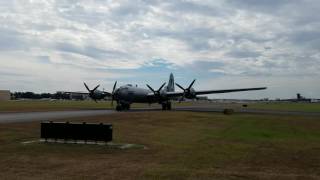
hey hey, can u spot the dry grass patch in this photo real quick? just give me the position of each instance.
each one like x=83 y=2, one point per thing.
x=181 y=145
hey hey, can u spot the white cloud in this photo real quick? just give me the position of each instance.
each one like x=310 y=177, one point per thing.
x=252 y=38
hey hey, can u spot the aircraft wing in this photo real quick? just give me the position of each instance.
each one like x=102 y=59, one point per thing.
x=177 y=94
x=69 y=92
x=85 y=93
x=228 y=90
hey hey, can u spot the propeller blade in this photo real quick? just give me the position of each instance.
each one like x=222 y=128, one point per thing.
x=151 y=88
x=114 y=87
x=95 y=88
x=180 y=86
x=113 y=93
x=191 y=84
x=86 y=86
x=184 y=92
x=161 y=87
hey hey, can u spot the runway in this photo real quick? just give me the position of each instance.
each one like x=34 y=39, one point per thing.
x=55 y=115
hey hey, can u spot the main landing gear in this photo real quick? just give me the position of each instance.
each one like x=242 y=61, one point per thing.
x=123 y=106
x=166 y=105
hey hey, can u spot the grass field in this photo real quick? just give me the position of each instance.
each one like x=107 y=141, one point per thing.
x=25 y=106
x=180 y=145
x=301 y=106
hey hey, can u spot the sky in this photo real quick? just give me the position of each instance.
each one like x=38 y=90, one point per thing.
x=48 y=45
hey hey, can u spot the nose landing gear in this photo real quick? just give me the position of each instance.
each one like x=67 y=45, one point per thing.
x=166 y=105
x=123 y=106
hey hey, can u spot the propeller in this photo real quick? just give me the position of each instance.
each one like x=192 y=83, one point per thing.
x=112 y=94
x=91 y=92
x=157 y=93
x=186 y=91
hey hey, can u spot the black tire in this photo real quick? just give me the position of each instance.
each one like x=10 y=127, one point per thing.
x=169 y=106
x=164 y=106
x=118 y=108
x=125 y=106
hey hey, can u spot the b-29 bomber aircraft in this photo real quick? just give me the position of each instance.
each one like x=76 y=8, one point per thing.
x=128 y=94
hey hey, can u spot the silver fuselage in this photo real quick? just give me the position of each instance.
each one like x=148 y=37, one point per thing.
x=130 y=94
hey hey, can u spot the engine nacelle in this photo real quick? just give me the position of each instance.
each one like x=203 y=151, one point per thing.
x=191 y=94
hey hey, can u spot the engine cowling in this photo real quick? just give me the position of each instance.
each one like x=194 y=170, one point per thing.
x=190 y=94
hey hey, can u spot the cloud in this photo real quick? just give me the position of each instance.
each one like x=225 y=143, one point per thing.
x=262 y=5
x=115 y=39
x=11 y=40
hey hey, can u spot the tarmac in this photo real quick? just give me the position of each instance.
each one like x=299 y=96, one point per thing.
x=55 y=115
x=52 y=115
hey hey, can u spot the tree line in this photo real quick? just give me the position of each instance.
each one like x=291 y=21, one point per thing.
x=32 y=95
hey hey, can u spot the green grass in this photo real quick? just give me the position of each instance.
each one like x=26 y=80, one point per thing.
x=180 y=145
x=301 y=106
x=280 y=106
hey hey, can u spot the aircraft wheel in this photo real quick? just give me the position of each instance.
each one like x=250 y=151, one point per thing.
x=168 y=105
x=125 y=106
x=164 y=106
x=119 y=108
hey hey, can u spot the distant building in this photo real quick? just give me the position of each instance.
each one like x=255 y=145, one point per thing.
x=5 y=95
x=71 y=95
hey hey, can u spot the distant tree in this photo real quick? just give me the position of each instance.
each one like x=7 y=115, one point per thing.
x=45 y=95
x=32 y=95
x=12 y=96
x=17 y=95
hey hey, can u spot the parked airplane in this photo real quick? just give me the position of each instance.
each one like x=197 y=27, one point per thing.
x=299 y=98
x=128 y=94
x=96 y=94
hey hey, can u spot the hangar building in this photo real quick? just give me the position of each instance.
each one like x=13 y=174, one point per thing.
x=5 y=95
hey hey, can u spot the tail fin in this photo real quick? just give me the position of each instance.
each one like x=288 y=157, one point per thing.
x=170 y=87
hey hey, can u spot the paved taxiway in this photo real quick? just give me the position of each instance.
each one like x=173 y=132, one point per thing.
x=54 y=115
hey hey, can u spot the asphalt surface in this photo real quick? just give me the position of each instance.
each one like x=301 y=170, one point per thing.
x=54 y=115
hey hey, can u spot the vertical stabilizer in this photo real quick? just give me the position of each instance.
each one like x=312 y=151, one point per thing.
x=170 y=87
x=299 y=96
